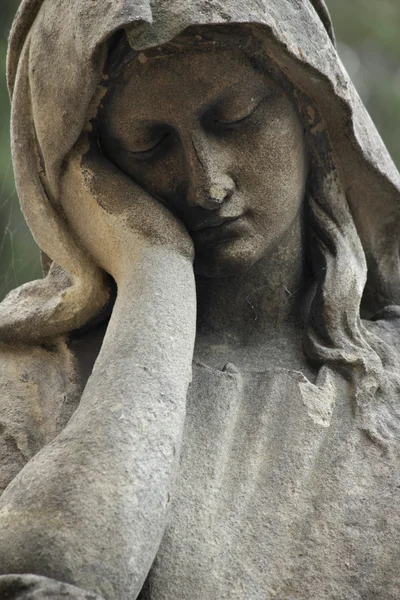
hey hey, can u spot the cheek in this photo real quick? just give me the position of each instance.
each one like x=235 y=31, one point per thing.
x=271 y=174
x=162 y=179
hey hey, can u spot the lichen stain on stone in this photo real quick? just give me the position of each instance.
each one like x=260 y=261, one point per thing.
x=311 y=114
x=318 y=128
x=95 y=105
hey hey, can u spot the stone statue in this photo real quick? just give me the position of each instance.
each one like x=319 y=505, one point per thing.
x=200 y=400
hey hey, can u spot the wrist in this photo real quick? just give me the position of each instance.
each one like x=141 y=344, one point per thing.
x=155 y=263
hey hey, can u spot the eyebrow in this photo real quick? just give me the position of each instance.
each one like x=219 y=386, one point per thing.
x=259 y=93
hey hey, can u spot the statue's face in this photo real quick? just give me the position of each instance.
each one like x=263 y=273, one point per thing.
x=218 y=142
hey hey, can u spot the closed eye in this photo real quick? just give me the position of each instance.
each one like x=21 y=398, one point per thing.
x=148 y=152
x=232 y=123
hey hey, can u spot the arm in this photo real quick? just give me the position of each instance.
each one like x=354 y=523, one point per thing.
x=90 y=507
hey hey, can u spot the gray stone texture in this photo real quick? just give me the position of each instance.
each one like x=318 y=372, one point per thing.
x=188 y=414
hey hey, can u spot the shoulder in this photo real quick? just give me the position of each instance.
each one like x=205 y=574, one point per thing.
x=21 y=363
x=39 y=390
x=39 y=383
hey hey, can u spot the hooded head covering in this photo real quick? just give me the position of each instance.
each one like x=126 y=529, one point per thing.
x=57 y=54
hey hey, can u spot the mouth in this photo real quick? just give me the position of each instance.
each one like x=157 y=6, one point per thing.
x=213 y=223
x=216 y=231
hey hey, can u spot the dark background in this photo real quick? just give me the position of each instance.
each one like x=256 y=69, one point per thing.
x=368 y=33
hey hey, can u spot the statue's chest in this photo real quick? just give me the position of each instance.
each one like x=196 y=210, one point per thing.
x=278 y=497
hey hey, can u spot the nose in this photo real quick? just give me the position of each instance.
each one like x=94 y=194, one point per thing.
x=209 y=186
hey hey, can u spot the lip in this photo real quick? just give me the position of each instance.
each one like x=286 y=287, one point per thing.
x=211 y=236
x=213 y=223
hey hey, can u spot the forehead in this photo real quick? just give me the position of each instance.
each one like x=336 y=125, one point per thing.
x=190 y=78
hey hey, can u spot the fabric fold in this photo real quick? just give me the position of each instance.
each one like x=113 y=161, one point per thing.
x=34 y=587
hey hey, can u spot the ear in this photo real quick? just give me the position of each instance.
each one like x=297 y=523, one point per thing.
x=322 y=10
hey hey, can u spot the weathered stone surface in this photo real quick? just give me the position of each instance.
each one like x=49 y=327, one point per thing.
x=201 y=398
x=32 y=587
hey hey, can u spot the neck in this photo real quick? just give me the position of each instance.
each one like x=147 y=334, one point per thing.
x=261 y=301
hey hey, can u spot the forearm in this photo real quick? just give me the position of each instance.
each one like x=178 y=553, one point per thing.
x=105 y=482
x=152 y=330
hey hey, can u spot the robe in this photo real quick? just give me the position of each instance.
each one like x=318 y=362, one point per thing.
x=279 y=495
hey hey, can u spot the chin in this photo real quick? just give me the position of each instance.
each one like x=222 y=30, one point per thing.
x=229 y=259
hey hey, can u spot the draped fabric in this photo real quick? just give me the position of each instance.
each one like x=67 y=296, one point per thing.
x=56 y=58
x=279 y=495
x=31 y=587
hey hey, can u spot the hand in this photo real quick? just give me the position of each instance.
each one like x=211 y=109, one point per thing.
x=113 y=216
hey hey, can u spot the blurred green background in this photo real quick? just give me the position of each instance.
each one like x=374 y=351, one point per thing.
x=368 y=33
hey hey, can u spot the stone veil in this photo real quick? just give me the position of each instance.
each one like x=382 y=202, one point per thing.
x=138 y=458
